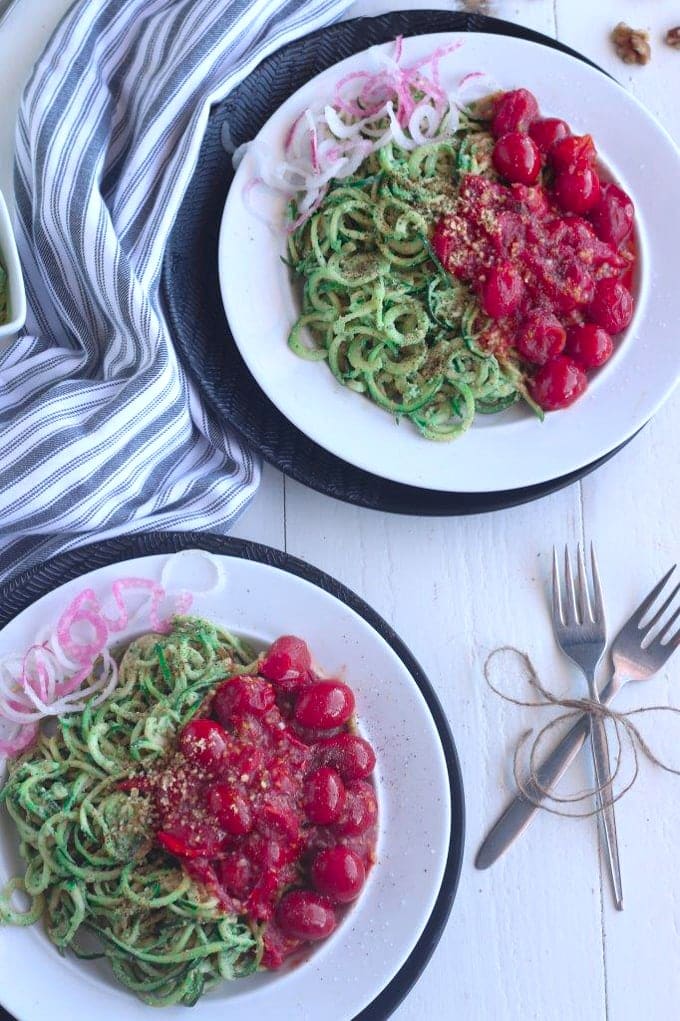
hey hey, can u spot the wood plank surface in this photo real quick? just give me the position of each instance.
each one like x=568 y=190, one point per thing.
x=535 y=937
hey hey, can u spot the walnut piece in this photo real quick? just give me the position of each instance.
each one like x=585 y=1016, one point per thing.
x=631 y=44
x=476 y=6
x=673 y=37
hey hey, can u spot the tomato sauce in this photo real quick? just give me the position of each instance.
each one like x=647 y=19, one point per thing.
x=266 y=800
x=546 y=246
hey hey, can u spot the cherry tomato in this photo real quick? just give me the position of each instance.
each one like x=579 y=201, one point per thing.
x=235 y=874
x=296 y=753
x=269 y=853
x=612 y=216
x=178 y=846
x=277 y=947
x=514 y=111
x=577 y=190
x=241 y=695
x=535 y=200
x=306 y=915
x=249 y=732
x=612 y=306
x=287 y=662
x=558 y=383
x=573 y=151
x=262 y=897
x=205 y=743
x=442 y=241
x=339 y=873
x=245 y=759
x=573 y=286
x=361 y=810
x=575 y=233
x=352 y=756
x=541 y=337
x=517 y=158
x=589 y=345
x=548 y=130
x=324 y=704
x=278 y=820
x=192 y=839
x=201 y=870
x=324 y=798
x=230 y=808
x=509 y=230
x=502 y=291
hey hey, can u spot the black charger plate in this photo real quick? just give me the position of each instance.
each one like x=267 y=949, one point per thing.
x=190 y=284
x=21 y=591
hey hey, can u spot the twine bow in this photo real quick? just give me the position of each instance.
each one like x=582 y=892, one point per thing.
x=627 y=735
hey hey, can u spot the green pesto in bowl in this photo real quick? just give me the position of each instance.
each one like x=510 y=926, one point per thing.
x=4 y=295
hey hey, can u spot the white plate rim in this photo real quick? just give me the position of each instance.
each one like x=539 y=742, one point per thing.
x=551 y=453
x=272 y=560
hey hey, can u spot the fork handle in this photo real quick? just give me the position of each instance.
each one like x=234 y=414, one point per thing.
x=521 y=810
x=601 y=761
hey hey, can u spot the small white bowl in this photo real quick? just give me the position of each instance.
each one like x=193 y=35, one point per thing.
x=9 y=257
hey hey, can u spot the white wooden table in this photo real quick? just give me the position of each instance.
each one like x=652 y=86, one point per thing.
x=537 y=935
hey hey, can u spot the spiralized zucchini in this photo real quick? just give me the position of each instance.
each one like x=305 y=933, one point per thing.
x=377 y=305
x=91 y=864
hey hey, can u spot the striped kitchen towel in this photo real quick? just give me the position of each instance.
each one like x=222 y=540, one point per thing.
x=101 y=432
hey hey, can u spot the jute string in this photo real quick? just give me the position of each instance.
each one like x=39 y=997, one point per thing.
x=627 y=734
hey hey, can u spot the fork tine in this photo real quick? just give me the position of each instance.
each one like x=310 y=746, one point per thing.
x=598 y=600
x=647 y=603
x=667 y=627
x=584 y=595
x=558 y=615
x=572 y=609
x=660 y=612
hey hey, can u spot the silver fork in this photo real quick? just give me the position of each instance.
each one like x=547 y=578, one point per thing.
x=635 y=658
x=581 y=633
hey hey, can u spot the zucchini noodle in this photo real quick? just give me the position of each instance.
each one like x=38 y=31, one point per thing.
x=92 y=866
x=376 y=303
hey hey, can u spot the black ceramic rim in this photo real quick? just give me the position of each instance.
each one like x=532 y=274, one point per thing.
x=191 y=293
x=20 y=592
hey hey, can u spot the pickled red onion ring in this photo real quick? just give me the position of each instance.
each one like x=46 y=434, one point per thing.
x=331 y=143
x=473 y=86
x=19 y=741
x=73 y=667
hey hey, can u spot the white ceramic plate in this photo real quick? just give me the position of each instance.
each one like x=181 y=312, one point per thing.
x=504 y=451
x=380 y=932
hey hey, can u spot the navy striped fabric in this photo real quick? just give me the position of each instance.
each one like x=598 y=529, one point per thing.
x=100 y=430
